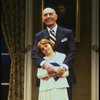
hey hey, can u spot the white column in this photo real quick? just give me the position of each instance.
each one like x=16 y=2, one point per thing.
x=28 y=59
x=94 y=53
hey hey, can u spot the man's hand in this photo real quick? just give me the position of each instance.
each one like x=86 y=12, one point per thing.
x=49 y=68
x=59 y=71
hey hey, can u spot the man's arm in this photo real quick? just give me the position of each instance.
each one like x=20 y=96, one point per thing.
x=37 y=58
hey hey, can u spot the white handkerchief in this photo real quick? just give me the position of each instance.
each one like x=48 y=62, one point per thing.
x=64 y=39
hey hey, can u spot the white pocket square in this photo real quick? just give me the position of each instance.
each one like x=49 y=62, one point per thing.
x=64 y=39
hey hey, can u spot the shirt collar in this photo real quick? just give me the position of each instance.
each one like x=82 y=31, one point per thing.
x=55 y=28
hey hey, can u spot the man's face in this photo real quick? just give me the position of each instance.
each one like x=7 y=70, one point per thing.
x=49 y=17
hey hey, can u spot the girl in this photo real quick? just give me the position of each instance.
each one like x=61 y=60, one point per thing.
x=52 y=87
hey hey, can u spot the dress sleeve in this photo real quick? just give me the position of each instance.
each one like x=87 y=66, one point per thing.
x=66 y=74
x=42 y=73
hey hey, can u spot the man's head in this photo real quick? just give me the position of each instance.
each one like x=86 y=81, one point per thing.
x=49 y=17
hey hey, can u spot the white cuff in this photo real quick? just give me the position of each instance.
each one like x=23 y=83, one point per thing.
x=65 y=66
x=42 y=63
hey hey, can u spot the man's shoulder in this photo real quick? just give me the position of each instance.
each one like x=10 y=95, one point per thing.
x=64 y=29
x=41 y=32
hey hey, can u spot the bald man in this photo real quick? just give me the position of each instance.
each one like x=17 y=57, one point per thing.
x=64 y=43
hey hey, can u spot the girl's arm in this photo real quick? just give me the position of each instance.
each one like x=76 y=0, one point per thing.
x=66 y=73
x=42 y=73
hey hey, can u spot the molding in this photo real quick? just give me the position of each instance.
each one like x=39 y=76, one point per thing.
x=94 y=53
x=5 y=84
x=28 y=59
x=4 y=54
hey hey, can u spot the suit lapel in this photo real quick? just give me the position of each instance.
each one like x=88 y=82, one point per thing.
x=59 y=35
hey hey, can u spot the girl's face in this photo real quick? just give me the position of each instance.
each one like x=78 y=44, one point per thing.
x=46 y=49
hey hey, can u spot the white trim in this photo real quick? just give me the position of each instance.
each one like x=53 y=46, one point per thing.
x=94 y=53
x=4 y=54
x=28 y=59
x=4 y=83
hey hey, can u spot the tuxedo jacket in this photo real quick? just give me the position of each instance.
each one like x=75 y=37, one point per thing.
x=65 y=43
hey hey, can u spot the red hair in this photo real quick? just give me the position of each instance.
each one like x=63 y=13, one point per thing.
x=45 y=41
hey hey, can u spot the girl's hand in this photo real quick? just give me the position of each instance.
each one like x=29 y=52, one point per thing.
x=46 y=78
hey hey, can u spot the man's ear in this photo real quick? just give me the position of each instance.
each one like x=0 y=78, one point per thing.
x=56 y=16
